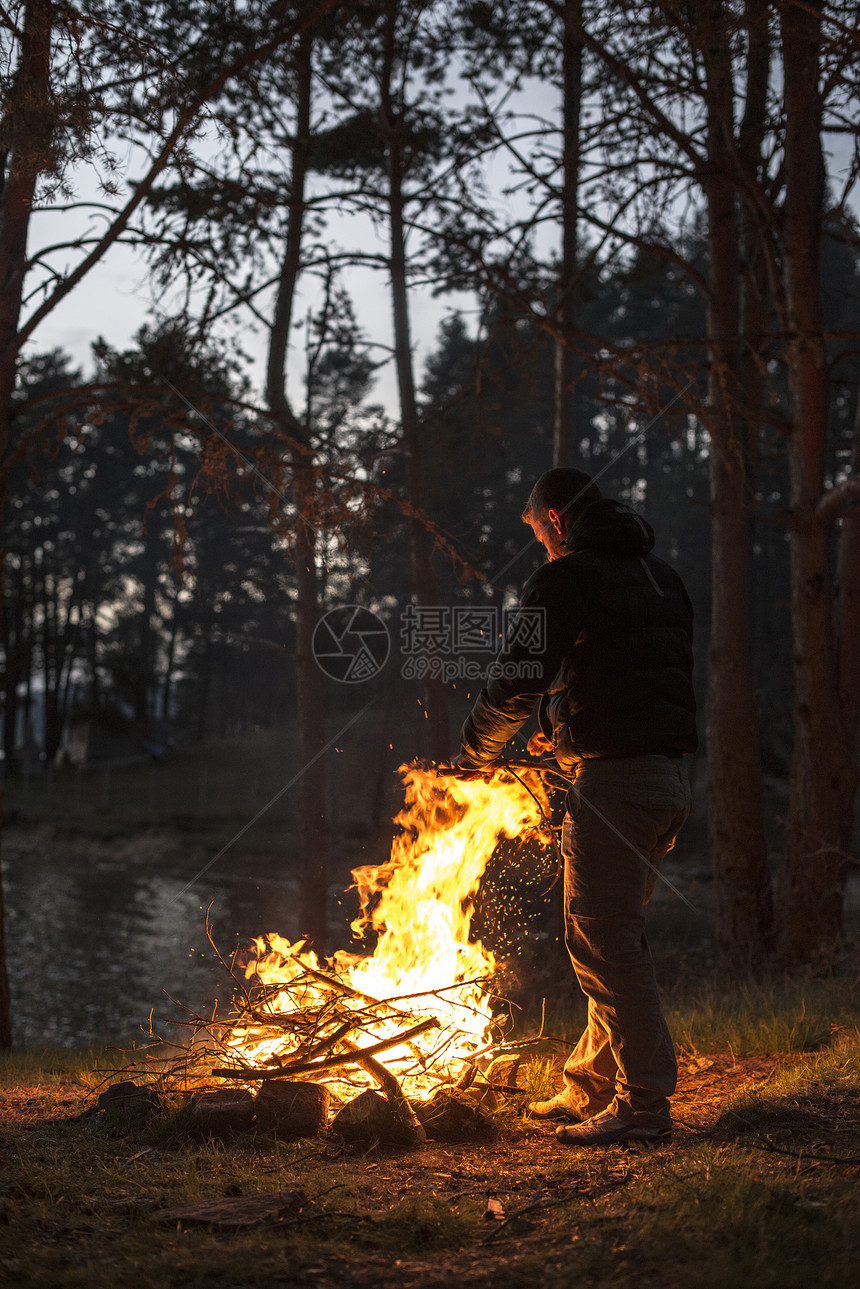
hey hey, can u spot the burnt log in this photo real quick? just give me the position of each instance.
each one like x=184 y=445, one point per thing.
x=292 y=1109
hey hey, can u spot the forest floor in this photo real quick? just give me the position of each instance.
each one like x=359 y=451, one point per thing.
x=758 y=1186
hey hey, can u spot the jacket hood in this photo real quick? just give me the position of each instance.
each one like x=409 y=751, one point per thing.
x=610 y=526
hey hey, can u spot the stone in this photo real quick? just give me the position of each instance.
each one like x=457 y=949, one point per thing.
x=217 y=1114
x=292 y=1109
x=368 y=1118
x=448 y=1116
x=502 y=1072
x=481 y=1093
x=129 y=1103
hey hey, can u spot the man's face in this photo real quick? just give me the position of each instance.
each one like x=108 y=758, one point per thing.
x=550 y=530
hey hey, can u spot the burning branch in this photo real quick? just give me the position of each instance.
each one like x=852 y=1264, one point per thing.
x=353 y=1055
x=296 y=1018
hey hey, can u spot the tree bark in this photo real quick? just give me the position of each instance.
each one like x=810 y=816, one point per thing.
x=744 y=910
x=166 y=689
x=848 y=605
x=145 y=679
x=435 y=695
x=13 y=651
x=566 y=366
x=5 y=999
x=753 y=308
x=28 y=120
x=823 y=770
x=312 y=790
x=848 y=639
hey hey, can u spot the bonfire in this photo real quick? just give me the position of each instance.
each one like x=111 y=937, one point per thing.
x=418 y=1013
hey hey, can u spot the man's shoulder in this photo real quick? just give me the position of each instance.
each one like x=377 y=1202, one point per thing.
x=667 y=574
x=555 y=574
x=586 y=568
x=559 y=582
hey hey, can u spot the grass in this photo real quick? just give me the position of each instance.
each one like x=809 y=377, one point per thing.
x=55 y=1067
x=754 y=1018
x=758 y=1186
x=758 y=1019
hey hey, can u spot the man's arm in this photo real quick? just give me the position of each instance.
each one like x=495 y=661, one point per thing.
x=537 y=641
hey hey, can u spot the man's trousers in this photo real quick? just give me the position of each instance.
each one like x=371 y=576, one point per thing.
x=623 y=815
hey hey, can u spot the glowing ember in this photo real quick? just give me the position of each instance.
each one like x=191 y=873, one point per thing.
x=418 y=906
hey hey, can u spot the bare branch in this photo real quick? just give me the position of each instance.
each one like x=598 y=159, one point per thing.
x=841 y=497
x=187 y=119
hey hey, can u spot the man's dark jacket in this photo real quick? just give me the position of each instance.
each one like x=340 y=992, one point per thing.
x=616 y=667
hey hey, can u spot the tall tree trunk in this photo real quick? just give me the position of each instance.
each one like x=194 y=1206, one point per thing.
x=314 y=784
x=848 y=637
x=822 y=769
x=5 y=1001
x=205 y=690
x=435 y=695
x=312 y=787
x=59 y=651
x=734 y=771
x=12 y=652
x=145 y=679
x=28 y=119
x=753 y=305
x=848 y=584
x=166 y=692
x=28 y=127
x=566 y=366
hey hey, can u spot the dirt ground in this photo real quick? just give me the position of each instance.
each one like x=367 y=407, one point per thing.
x=758 y=1186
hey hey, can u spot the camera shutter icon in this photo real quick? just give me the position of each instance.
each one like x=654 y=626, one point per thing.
x=351 y=644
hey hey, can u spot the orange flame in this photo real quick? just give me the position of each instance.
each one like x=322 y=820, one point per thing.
x=418 y=906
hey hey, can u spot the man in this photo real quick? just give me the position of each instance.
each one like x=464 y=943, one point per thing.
x=617 y=710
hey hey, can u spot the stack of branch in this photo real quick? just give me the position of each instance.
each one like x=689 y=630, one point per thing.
x=317 y=1027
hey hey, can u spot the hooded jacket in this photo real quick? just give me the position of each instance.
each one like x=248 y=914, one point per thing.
x=613 y=670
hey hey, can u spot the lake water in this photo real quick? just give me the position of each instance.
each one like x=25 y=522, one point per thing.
x=93 y=942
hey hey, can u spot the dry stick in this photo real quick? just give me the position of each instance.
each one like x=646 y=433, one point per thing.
x=443 y=989
x=217 y=953
x=770 y=1148
x=311 y=1046
x=535 y=1206
x=502 y=1049
x=348 y=990
x=325 y=1044
x=466 y=1079
x=314 y=1022
x=331 y=1062
x=545 y=1203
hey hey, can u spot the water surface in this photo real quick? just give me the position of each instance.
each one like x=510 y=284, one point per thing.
x=95 y=944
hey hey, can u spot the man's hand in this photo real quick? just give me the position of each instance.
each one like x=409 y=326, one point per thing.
x=455 y=769
x=538 y=744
